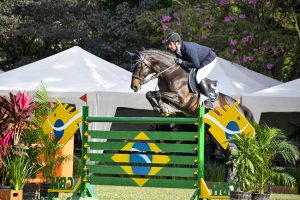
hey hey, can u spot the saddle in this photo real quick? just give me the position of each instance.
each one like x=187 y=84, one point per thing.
x=193 y=84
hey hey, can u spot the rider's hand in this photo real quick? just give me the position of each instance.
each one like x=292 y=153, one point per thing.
x=178 y=61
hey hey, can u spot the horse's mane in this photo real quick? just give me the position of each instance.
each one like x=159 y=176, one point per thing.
x=162 y=56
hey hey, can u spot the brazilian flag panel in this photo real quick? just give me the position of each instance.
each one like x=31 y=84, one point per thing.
x=144 y=162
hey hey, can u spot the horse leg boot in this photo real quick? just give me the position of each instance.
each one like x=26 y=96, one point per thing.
x=210 y=91
x=165 y=103
x=151 y=96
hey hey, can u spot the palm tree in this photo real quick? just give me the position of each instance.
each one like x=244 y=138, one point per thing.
x=243 y=160
x=272 y=144
x=48 y=146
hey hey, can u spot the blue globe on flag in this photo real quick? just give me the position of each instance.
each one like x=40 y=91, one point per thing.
x=140 y=158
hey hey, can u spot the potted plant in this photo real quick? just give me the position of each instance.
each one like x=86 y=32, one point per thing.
x=243 y=159
x=48 y=147
x=272 y=144
x=30 y=139
x=18 y=167
x=15 y=115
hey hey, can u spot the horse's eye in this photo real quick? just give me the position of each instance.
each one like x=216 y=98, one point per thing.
x=132 y=66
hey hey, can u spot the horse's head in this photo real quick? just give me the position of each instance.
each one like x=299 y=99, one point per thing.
x=148 y=62
x=140 y=69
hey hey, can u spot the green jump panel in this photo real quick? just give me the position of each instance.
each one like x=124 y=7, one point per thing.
x=147 y=120
x=160 y=171
x=159 y=147
x=152 y=135
x=143 y=158
x=174 y=159
x=143 y=182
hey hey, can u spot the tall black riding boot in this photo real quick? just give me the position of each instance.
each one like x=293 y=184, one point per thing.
x=210 y=91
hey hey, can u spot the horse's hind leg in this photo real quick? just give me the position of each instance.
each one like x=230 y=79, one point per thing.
x=153 y=97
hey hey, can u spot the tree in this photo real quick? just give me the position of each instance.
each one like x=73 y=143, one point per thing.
x=32 y=30
x=259 y=35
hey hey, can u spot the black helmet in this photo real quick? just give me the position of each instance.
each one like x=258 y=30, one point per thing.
x=172 y=37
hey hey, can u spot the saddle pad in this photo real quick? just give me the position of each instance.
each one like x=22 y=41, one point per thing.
x=192 y=81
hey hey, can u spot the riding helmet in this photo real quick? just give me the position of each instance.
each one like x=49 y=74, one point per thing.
x=172 y=37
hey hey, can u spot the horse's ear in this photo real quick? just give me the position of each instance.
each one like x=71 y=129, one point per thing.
x=139 y=54
x=130 y=54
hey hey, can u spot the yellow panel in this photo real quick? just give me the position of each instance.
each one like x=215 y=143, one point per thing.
x=219 y=123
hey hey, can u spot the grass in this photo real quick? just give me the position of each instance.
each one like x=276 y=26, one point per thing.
x=137 y=193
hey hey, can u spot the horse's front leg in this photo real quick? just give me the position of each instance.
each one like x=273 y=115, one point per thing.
x=154 y=98
x=162 y=101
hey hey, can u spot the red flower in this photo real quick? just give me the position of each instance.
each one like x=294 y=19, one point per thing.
x=23 y=100
x=5 y=141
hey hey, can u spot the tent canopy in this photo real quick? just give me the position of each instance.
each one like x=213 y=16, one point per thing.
x=235 y=80
x=281 y=98
x=74 y=72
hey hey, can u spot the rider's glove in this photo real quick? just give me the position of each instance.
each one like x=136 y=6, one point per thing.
x=178 y=61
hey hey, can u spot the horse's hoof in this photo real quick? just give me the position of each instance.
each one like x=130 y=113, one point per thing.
x=157 y=109
x=165 y=114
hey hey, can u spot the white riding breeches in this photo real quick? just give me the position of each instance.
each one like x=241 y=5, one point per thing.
x=204 y=71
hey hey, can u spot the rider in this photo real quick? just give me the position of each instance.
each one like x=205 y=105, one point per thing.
x=193 y=55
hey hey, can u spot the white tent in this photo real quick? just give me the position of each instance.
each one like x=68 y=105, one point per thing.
x=281 y=98
x=236 y=80
x=74 y=72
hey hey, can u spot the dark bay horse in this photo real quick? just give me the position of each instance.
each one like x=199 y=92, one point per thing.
x=174 y=91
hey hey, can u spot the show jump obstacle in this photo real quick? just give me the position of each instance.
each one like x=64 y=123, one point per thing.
x=146 y=158
x=166 y=159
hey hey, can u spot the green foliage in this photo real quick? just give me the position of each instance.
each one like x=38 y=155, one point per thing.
x=259 y=35
x=48 y=149
x=254 y=159
x=256 y=39
x=44 y=109
x=35 y=29
x=49 y=153
x=214 y=172
x=76 y=166
x=243 y=160
x=16 y=113
x=22 y=120
x=272 y=144
x=17 y=166
x=295 y=172
x=32 y=30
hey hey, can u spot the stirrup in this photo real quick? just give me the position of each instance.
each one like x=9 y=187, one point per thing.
x=208 y=104
x=213 y=95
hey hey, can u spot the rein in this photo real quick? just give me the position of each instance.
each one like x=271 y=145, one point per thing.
x=159 y=73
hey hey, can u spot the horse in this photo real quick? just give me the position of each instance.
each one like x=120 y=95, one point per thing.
x=173 y=83
x=175 y=91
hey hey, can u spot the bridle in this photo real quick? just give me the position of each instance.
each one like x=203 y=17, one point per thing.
x=141 y=59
